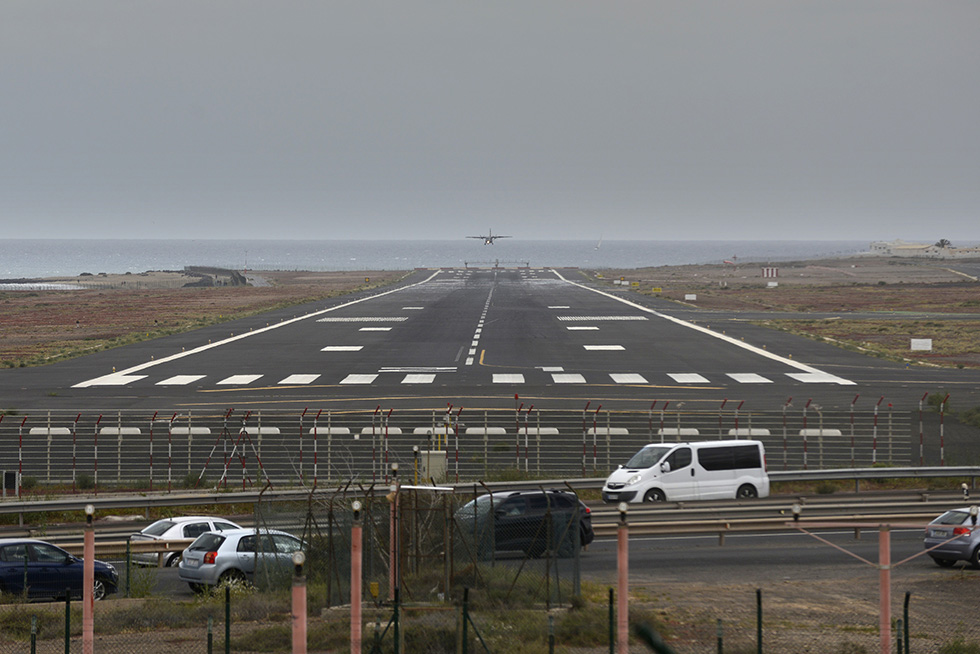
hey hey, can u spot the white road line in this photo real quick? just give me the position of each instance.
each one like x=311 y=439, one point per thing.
x=412 y=308
x=180 y=380
x=419 y=379
x=628 y=378
x=749 y=378
x=552 y=368
x=364 y=319
x=601 y=318
x=560 y=306
x=374 y=329
x=417 y=369
x=299 y=379
x=825 y=377
x=687 y=378
x=589 y=328
x=238 y=380
x=568 y=378
x=232 y=339
x=342 y=348
x=358 y=379
x=604 y=348
x=469 y=361
x=504 y=378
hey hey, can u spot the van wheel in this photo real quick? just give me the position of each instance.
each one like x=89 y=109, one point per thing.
x=655 y=495
x=975 y=558
x=746 y=492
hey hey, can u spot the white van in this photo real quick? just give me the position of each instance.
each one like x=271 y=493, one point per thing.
x=706 y=470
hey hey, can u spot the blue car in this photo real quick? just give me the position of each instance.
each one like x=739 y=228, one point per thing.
x=48 y=571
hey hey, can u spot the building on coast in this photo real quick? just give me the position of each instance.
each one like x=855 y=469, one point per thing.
x=932 y=251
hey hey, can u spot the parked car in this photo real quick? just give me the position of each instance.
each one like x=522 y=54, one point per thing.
x=955 y=537
x=528 y=521
x=180 y=528
x=48 y=571
x=219 y=557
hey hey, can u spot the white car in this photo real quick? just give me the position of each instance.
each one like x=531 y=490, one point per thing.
x=182 y=528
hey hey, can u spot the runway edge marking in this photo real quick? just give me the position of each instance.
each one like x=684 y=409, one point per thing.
x=825 y=376
x=110 y=379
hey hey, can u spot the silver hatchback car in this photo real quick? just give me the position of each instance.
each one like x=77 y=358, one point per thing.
x=953 y=537
x=234 y=555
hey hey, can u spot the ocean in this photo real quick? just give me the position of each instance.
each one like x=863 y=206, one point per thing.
x=41 y=258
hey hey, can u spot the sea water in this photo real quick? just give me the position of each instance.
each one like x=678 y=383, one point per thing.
x=39 y=258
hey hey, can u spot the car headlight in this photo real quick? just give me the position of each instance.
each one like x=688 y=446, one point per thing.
x=634 y=479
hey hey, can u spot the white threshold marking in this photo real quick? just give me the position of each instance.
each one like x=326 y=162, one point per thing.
x=469 y=361
x=552 y=368
x=749 y=378
x=358 y=379
x=819 y=375
x=238 y=380
x=111 y=380
x=628 y=378
x=180 y=380
x=203 y=348
x=342 y=348
x=472 y=352
x=604 y=348
x=559 y=306
x=419 y=379
x=583 y=328
x=604 y=318
x=819 y=378
x=687 y=378
x=412 y=308
x=417 y=369
x=364 y=319
x=505 y=378
x=374 y=329
x=568 y=378
x=299 y=379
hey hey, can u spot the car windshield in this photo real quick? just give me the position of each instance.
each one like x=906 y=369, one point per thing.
x=158 y=528
x=481 y=505
x=208 y=542
x=951 y=518
x=648 y=456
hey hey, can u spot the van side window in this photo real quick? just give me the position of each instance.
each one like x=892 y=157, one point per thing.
x=679 y=458
x=716 y=458
x=747 y=456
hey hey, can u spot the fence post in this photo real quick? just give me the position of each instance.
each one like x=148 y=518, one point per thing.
x=758 y=619
x=356 y=578
x=466 y=619
x=612 y=622
x=227 y=619
x=905 y=612
x=88 y=583
x=299 y=603
x=129 y=563
x=33 y=634
x=210 y=634
x=622 y=559
x=67 y=620
x=720 y=637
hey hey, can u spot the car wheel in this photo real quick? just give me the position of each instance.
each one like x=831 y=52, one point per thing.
x=944 y=563
x=746 y=492
x=173 y=561
x=98 y=590
x=975 y=558
x=231 y=577
x=655 y=495
x=196 y=587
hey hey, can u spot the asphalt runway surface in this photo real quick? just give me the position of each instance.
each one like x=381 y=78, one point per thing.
x=475 y=338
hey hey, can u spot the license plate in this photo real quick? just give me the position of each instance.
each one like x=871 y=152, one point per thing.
x=939 y=533
x=192 y=563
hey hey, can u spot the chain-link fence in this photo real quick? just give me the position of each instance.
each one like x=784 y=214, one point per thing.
x=251 y=449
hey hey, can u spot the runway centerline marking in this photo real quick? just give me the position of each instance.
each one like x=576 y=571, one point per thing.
x=604 y=348
x=342 y=348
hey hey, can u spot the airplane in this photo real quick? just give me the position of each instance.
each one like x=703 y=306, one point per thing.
x=488 y=240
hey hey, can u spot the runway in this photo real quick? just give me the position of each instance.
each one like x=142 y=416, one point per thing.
x=475 y=337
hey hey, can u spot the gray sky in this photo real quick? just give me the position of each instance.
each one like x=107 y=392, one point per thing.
x=781 y=119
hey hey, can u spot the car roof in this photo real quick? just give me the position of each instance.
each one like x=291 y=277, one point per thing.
x=248 y=531
x=20 y=541
x=194 y=518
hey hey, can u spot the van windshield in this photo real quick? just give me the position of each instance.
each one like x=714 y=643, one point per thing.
x=648 y=456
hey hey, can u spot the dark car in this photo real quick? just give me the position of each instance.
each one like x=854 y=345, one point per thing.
x=953 y=537
x=48 y=571
x=531 y=521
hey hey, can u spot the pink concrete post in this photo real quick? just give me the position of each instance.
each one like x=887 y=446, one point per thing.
x=88 y=583
x=356 y=554
x=885 y=583
x=299 y=603
x=622 y=569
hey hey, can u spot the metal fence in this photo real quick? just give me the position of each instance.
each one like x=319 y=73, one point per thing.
x=252 y=449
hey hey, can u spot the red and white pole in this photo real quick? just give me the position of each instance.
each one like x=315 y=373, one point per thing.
x=299 y=603
x=356 y=579
x=622 y=583
x=88 y=583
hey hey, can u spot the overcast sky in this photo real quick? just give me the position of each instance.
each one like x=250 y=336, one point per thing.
x=646 y=119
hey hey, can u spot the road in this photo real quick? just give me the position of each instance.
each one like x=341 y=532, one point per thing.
x=476 y=337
